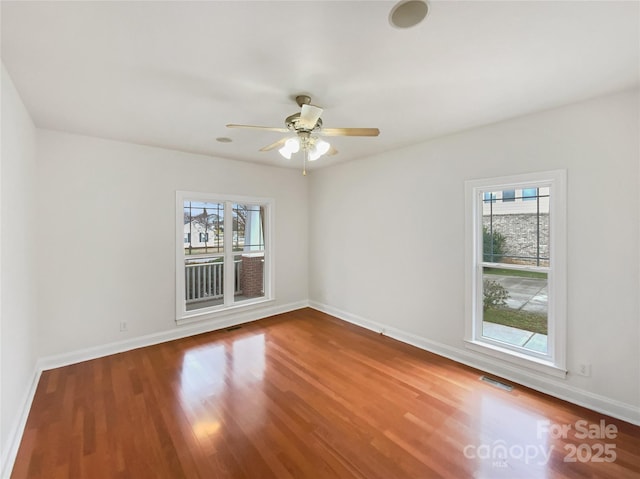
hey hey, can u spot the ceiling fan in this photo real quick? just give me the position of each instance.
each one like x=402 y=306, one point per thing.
x=307 y=125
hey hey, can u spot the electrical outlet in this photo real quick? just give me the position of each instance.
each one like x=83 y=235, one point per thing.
x=584 y=369
x=123 y=326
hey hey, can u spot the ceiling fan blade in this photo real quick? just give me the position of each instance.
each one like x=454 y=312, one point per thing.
x=350 y=132
x=309 y=116
x=266 y=128
x=277 y=144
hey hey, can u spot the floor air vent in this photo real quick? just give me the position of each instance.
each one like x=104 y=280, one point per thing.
x=496 y=383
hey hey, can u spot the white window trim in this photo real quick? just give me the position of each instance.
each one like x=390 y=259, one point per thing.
x=182 y=315
x=554 y=363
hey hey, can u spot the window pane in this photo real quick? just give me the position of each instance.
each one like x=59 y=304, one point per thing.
x=509 y=195
x=248 y=227
x=248 y=238
x=203 y=249
x=203 y=228
x=204 y=281
x=515 y=231
x=515 y=308
x=529 y=194
x=249 y=276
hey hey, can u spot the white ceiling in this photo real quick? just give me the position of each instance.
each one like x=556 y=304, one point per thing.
x=173 y=74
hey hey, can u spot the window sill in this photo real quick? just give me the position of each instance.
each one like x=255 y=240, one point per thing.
x=517 y=359
x=221 y=311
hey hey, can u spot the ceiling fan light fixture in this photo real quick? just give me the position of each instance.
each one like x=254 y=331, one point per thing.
x=291 y=146
x=320 y=148
x=408 y=13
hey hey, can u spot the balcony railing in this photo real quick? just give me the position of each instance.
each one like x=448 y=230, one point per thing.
x=204 y=278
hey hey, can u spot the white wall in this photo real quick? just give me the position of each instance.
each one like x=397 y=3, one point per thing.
x=18 y=310
x=106 y=224
x=387 y=236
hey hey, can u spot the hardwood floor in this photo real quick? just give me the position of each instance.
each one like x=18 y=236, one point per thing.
x=304 y=395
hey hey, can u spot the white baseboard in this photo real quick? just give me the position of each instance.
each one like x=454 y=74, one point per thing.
x=10 y=450
x=183 y=331
x=553 y=387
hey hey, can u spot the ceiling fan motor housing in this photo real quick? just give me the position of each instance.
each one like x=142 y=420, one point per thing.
x=292 y=123
x=303 y=100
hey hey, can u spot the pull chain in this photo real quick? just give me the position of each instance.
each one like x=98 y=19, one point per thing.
x=304 y=162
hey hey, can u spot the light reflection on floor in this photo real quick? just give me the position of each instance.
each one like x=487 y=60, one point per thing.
x=211 y=374
x=249 y=359
x=512 y=443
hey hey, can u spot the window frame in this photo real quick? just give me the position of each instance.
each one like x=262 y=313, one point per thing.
x=554 y=362
x=184 y=316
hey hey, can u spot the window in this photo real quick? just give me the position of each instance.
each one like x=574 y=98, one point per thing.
x=230 y=265
x=516 y=269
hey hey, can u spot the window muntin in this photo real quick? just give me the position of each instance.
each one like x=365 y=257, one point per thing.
x=489 y=197
x=517 y=271
x=223 y=257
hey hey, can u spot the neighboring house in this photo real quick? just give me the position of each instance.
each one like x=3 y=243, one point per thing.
x=517 y=201
x=196 y=235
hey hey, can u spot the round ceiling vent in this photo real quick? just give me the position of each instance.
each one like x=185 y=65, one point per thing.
x=408 y=13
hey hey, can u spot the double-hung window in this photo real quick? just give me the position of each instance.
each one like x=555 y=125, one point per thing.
x=516 y=269
x=223 y=258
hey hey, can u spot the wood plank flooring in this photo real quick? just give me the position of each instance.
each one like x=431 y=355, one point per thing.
x=304 y=395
